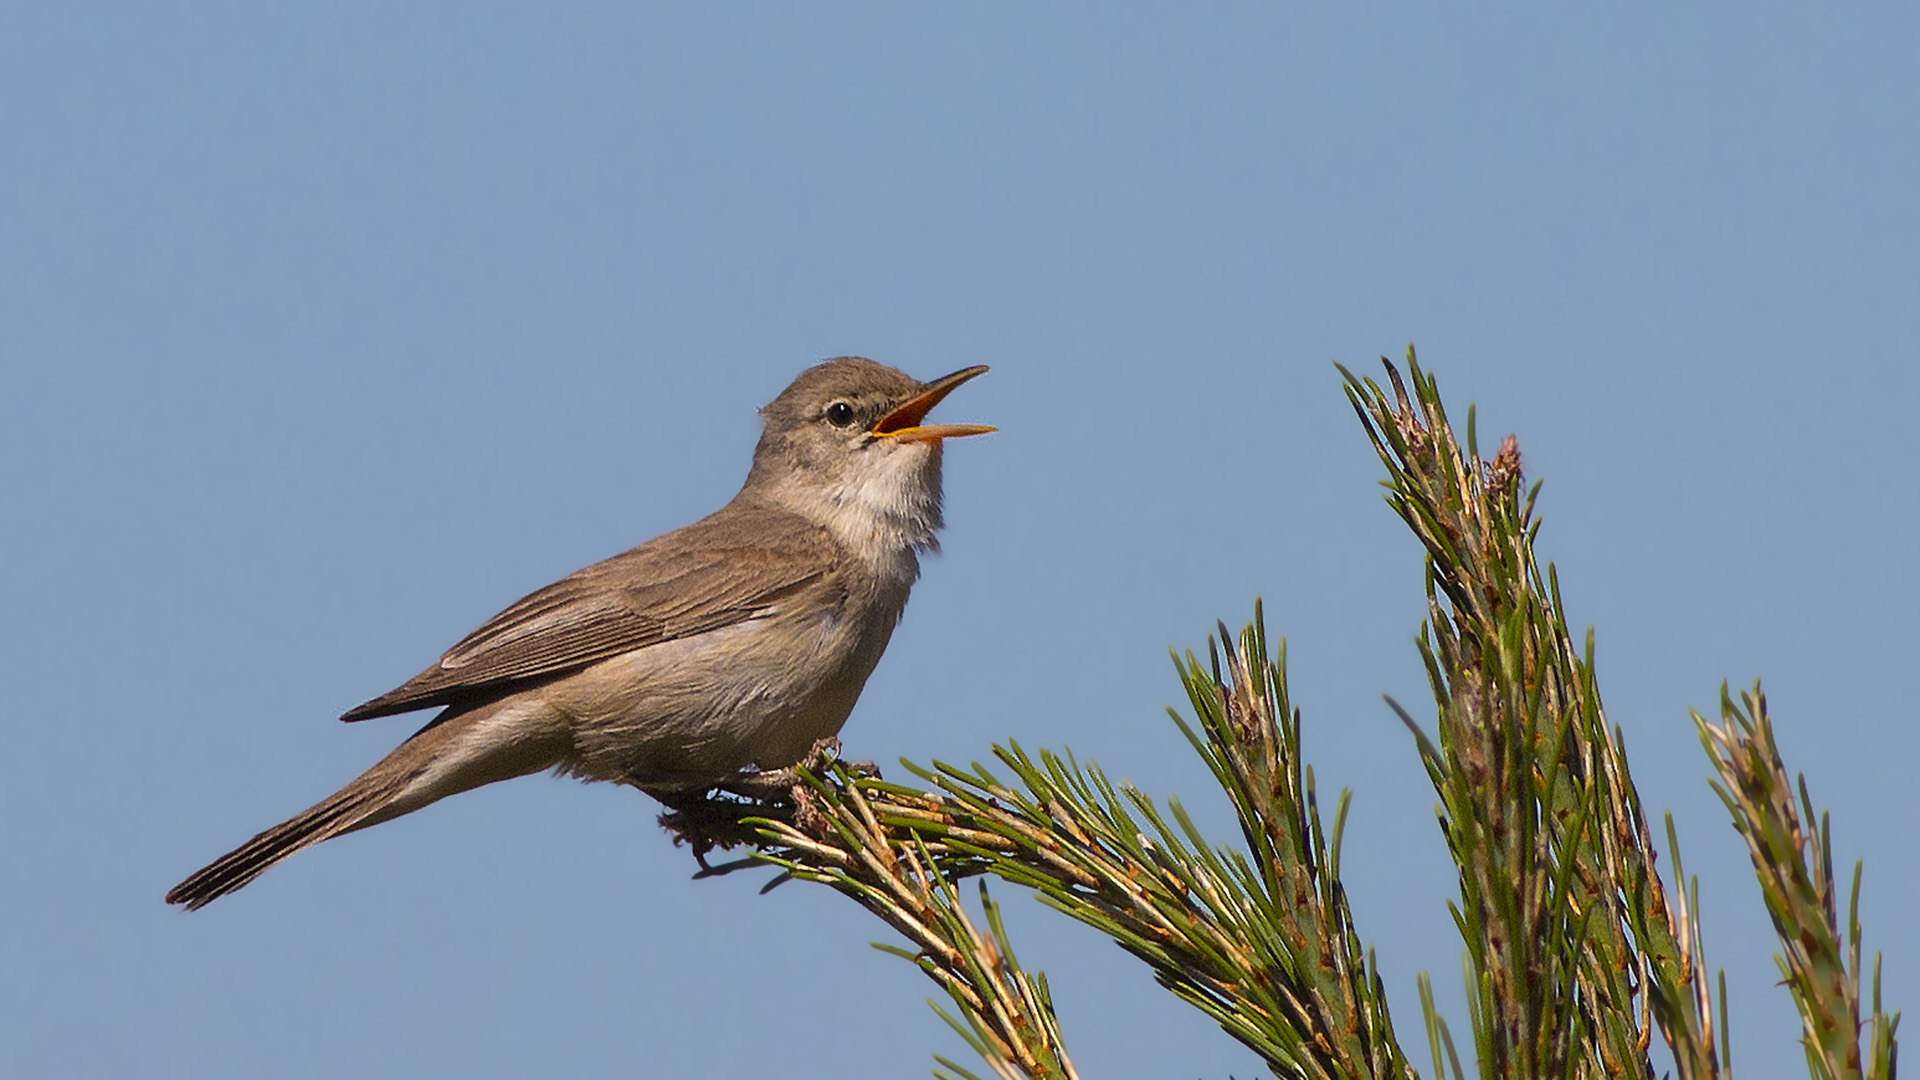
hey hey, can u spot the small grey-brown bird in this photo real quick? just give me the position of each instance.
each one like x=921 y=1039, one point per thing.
x=730 y=646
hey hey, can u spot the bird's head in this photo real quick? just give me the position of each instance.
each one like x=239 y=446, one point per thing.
x=847 y=444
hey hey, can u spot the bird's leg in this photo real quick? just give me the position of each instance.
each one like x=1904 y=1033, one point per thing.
x=777 y=786
x=703 y=821
x=710 y=817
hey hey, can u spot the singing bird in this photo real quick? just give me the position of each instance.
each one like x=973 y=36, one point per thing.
x=721 y=649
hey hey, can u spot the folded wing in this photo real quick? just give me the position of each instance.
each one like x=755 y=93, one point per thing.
x=701 y=578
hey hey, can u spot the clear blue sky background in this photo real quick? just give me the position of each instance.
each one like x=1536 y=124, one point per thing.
x=326 y=332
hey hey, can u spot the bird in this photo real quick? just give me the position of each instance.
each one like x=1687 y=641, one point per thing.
x=725 y=648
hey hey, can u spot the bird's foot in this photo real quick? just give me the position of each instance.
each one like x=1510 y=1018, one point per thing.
x=783 y=785
x=713 y=817
x=704 y=821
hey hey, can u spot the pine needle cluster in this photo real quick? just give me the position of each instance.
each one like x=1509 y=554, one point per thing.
x=1577 y=953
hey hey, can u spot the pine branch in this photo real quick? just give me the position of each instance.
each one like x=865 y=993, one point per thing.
x=1576 y=952
x=842 y=840
x=1572 y=945
x=1795 y=867
x=1261 y=940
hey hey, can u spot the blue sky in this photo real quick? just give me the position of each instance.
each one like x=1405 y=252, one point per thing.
x=328 y=331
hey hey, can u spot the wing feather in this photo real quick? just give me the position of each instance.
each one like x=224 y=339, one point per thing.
x=709 y=575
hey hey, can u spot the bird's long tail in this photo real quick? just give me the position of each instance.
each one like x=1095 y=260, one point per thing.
x=339 y=812
x=447 y=756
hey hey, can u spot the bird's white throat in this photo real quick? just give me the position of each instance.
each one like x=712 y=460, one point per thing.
x=886 y=509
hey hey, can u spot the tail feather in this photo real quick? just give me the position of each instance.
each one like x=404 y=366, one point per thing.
x=340 y=812
x=457 y=752
x=379 y=794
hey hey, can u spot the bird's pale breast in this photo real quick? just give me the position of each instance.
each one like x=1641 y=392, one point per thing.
x=757 y=694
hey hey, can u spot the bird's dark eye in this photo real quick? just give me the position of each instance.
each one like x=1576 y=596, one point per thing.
x=839 y=414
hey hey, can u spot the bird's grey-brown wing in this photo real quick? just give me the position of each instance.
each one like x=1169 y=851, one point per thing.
x=698 y=579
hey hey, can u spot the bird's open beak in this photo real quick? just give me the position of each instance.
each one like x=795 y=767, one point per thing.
x=903 y=423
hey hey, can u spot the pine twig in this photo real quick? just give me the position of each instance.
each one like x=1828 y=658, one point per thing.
x=1573 y=948
x=1795 y=868
x=1006 y=1015
x=1261 y=940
